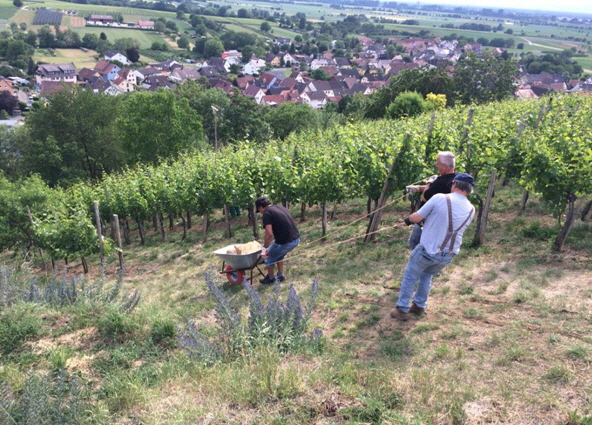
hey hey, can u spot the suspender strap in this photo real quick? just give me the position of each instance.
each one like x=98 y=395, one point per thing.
x=451 y=233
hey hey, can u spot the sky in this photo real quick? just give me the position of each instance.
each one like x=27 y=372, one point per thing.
x=573 y=6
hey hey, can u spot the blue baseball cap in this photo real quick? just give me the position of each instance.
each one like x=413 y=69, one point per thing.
x=464 y=177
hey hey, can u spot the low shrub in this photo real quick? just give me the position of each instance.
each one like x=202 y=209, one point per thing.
x=277 y=324
x=16 y=325
x=56 y=398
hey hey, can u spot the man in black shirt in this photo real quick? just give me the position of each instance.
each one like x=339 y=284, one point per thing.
x=281 y=237
x=445 y=164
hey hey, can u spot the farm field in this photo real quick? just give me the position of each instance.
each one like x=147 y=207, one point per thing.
x=79 y=58
x=507 y=331
x=145 y=38
x=586 y=63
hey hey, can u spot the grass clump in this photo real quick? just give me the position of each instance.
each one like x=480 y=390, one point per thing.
x=276 y=324
x=57 y=398
x=17 y=324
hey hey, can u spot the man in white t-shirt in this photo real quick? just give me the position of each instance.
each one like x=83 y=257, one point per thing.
x=446 y=218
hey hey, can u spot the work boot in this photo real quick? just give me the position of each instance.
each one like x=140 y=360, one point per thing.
x=399 y=314
x=280 y=278
x=267 y=280
x=418 y=311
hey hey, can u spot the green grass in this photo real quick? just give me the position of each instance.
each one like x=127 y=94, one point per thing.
x=479 y=342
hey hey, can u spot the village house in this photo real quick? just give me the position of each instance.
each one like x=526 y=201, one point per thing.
x=107 y=69
x=6 y=86
x=129 y=75
x=65 y=72
x=100 y=20
x=316 y=99
x=254 y=92
x=273 y=59
x=146 y=25
x=254 y=66
x=113 y=55
x=180 y=75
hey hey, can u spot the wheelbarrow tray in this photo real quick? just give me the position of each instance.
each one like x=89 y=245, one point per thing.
x=239 y=261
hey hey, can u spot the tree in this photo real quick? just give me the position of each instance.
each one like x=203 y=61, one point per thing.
x=172 y=26
x=18 y=3
x=407 y=104
x=31 y=38
x=122 y=44
x=103 y=36
x=133 y=54
x=289 y=117
x=183 y=42
x=73 y=137
x=319 y=74
x=46 y=37
x=265 y=27
x=180 y=15
x=90 y=41
x=158 y=126
x=213 y=48
x=8 y=102
x=422 y=81
x=520 y=46
x=484 y=79
x=159 y=26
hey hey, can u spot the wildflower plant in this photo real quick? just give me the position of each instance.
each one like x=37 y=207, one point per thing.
x=21 y=286
x=277 y=324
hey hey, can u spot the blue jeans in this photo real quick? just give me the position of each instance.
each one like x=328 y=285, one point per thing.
x=415 y=236
x=421 y=267
x=276 y=252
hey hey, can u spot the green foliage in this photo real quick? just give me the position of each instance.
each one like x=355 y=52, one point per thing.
x=73 y=137
x=46 y=400
x=213 y=48
x=484 y=79
x=17 y=324
x=157 y=126
x=115 y=324
x=407 y=104
x=281 y=326
x=163 y=330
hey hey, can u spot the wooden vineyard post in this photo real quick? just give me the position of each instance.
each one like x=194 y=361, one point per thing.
x=33 y=225
x=375 y=219
x=205 y=226
x=324 y=217
x=569 y=219
x=227 y=221
x=99 y=233
x=254 y=222
x=118 y=240
x=482 y=220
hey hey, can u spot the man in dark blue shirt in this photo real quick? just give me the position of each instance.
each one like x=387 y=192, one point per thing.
x=281 y=237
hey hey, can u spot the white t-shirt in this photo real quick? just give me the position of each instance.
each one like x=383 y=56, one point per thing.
x=435 y=228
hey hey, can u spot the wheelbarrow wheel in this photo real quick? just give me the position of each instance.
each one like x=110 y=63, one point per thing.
x=235 y=277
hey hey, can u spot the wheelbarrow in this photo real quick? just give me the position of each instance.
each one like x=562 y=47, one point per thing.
x=236 y=267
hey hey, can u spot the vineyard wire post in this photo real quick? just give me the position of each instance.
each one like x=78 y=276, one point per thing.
x=480 y=236
x=428 y=150
x=324 y=217
x=227 y=221
x=39 y=249
x=465 y=134
x=375 y=219
x=254 y=221
x=525 y=194
x=99 y=233
x=118 y=240
x=562 y=236
x=205 y=226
